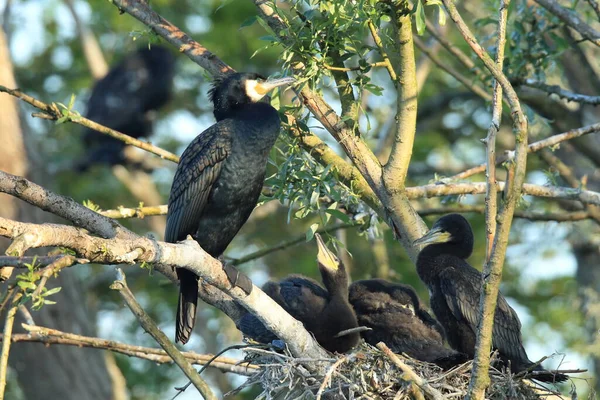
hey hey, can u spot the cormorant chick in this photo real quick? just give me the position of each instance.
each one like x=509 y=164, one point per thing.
x=455 y=288
x=396 y=316
x=123 y=100
x=324 y=312
x=219 y=179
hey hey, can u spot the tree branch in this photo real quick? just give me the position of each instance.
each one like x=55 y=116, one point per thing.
x=7 y=332
x=52 y=112
x=533 y=147
x=164 y=256
x=468 y=83
x=141 y=11
x=396 y=168
x=480 y=379
x=150 y=326
x=572 y=19
x=562 y=93
x=50 y=336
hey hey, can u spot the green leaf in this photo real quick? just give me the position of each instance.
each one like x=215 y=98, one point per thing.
x=420 y=18
x=339 y=215
x=248 y=22
x=52 y=291
x=310 y=233
x=26 y=285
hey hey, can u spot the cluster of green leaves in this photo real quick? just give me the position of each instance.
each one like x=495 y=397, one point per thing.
x=27 y=282
x=307 y=188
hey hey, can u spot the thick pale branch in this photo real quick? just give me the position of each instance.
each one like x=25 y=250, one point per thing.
x=137 y=212
x=536 y=146
x=49 y=336
x=141 y=11
x=52 y=112
x=164 y=256
x=131 y=248
x=572 y=19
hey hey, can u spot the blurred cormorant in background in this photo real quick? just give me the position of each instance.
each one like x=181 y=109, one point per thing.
x=220 y=177
x=396 y=316
x=123 y=100
x=324 y=312
x=455 y=288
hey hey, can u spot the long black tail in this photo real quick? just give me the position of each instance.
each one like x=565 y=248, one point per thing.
x=542 y=375
x=186 y=307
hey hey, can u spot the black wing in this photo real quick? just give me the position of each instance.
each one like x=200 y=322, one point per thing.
x=198 y=169
x=462 y=288
x=300 y=296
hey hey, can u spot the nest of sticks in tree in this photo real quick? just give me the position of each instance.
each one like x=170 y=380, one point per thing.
x=375 y=373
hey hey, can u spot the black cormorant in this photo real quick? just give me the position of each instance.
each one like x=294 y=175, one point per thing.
x=324 y=312
x=219 y=178
x=455 y=288
x=123 y=100
x=396 y=316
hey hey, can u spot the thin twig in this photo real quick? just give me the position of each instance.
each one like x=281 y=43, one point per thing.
x=7 y=332
x=150 y=326
x=40 y=261
x=562 y=93
x=328 y=375
x=468 y=83
x=386 y=59
x=572 y=19
x=54 y=113
x=50 y=336
x=533 y=147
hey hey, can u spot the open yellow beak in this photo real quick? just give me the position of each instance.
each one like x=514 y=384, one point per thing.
x=263 y=88
x=325 y=257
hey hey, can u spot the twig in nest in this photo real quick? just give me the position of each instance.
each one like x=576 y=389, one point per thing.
x=329 y=374
x=410 y=374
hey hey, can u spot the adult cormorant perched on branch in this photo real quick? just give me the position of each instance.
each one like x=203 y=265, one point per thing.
x=455 y=288
x=123 y=100
x=219 y=179
x=324 y=312
x=396 y=316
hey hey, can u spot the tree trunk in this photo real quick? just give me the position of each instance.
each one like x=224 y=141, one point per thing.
x=58 y=372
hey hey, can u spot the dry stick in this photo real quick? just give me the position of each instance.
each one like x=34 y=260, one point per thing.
x=137 y=212
x=52 y=336
x=328 y=376
x=562 y=93
x=7 y=332
x=572 y=20
x=382 y=52
x=408 y=371
x=52 y=112
x=150 y=326
x=536 y=146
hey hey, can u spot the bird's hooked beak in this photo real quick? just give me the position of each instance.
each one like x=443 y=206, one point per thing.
x=262 y=88
x=435 y=235
x=325 y=257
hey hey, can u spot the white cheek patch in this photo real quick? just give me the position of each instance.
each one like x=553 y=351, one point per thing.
x=251 y=91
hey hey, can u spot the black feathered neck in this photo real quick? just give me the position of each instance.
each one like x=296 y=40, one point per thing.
x=336 y=282
x=228 y=93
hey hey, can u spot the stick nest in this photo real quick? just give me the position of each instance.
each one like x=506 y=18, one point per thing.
x=368 y=373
